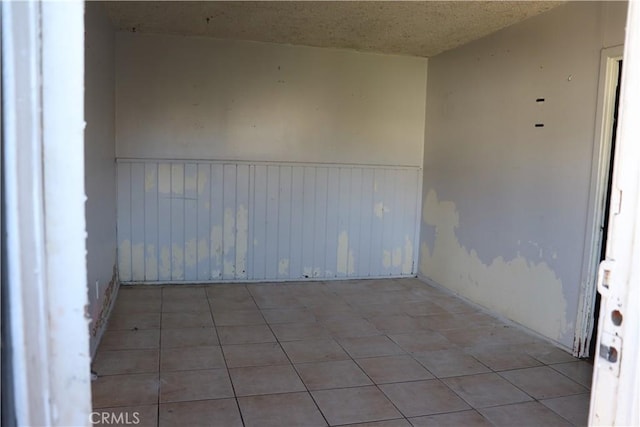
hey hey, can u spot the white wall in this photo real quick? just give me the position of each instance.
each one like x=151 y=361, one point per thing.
x=256 y=161
x=100 y=172
x=198 y=98
x=504 y=202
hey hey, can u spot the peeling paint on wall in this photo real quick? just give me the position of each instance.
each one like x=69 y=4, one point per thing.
x=124 y=258
x=386 y=259
x=396 y=257
x=283 y=267
x=527 y=292
x=190 y=252
x=177 y=261
x=216 y=243
x=379 y=209
x=343 y=253
x=407 y=265
x=242 y=231
x=165 y=263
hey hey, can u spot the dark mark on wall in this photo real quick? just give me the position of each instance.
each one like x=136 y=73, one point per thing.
x=540 y=100
x=539 y=125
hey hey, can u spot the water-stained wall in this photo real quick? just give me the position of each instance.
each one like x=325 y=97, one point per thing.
x=256 y=161
x=507 y=164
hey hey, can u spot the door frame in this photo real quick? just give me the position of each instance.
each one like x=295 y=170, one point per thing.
x=43 y=174
x=608 y=80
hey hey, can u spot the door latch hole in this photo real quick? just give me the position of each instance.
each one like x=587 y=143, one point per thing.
x=616 y=317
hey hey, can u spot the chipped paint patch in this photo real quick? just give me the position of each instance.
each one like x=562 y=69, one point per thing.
x=242 y=238
x=307 y=272
x=396 y=257
x=151 y=263
x=379 y=209
x=124 y=257
x=229 y=235
x=137 y=259
x=165 y=263
x=386 y=259
x=216 y=244
x=283 y=267
x=527 y=292
x=407 y=265
x=190 y=252
x=343 y=253
x=216 y=274
x=177 y=262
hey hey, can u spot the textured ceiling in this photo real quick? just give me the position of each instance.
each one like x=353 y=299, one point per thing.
x=418 y=28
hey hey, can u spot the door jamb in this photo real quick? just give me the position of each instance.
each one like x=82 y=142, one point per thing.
x=608 y=80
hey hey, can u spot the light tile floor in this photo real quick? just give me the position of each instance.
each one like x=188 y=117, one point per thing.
x=372 y=352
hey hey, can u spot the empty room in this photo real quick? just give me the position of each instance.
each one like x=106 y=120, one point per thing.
x=347 y=213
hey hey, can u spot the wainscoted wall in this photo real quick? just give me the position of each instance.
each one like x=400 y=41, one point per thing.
x=188 y=221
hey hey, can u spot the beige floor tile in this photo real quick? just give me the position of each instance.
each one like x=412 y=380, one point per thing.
x=133 y=321
x=421 y=342
x=422 y=308
x=574 y=408
x=453 y=304
x=247 y=334
x=423 y=398
x=139 y=294
x=370 y=346
x=198 y=319
x=450 y=363
x=352 y=328
x=286 y=315
x=231 y=291
x=547 y=354
x=397 y=324
x=215 y=413
x=454 y=419
x=184 y=386
x=543 y=382
x=530 y=414
x=191 y=358
x=116 y=362
x=238 y=317
x=333 y=374
x=143 y=416
x=484 y=390
x=393 y=369
x=372 y=310
x=130 y=340
x=265 y=380
x=400 y=422
x=579 y=371
x=300 y=331
x=502 y=358
x=132 y=305
x=280 y=410
x=186 y=305
x=355 y=405
x=242 y=355
x=314 y=351
x=125 y=390
x=183 y=292
x=188 y=337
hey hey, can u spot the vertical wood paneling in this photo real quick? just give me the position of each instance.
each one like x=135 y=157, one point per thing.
x=197 y=221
